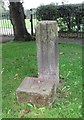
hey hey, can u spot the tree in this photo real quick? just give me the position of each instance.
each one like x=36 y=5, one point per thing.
x=17 y=18
x=82 y=21
x=46 y=12
x=79 y=15
x=2 y=8
x=65 y=12
x=70 y=17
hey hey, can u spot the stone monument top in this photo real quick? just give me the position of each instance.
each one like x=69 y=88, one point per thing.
x=41 y=91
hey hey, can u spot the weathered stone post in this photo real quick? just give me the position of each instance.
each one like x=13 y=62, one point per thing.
x=41 y=91
x=47 y=50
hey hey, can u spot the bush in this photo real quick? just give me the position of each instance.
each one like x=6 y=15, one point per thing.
x=47 y=12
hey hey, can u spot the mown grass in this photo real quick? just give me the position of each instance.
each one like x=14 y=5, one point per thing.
x=7 y=23
x=19 y=60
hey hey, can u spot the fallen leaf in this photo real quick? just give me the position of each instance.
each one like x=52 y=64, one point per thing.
x=25 y=111
x=21 y=116
x=61 y=53
x=16 y=75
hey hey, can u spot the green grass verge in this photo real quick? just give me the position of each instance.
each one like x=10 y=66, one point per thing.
x=19 y=60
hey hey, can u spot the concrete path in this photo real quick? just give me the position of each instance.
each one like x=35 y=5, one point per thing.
x=80 y=41
x=10 y=38
x=5 y=39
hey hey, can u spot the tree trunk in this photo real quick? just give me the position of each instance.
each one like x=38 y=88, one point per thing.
x=17 y=18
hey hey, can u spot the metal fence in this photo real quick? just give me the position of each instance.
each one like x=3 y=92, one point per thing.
x=66 y=34
x=6 y=27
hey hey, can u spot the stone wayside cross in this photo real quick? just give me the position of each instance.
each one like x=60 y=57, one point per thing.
x=41 y=91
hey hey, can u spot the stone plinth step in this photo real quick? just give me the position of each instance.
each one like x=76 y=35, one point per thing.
x=37 y=91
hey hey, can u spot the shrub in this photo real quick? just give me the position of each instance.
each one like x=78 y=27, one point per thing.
x=46 y=12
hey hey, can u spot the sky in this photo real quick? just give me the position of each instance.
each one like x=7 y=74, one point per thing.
x=35 y=3
x=28 y=4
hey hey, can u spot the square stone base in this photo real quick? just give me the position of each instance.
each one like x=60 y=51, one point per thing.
x=36 y=91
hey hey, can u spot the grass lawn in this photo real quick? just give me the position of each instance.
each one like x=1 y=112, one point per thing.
x=7 y=24
x=19 y=60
